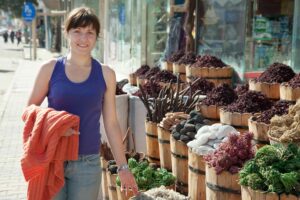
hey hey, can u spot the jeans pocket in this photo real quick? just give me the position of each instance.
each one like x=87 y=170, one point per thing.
x=93 y=160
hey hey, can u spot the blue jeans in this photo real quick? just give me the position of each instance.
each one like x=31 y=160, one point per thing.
x=82 y=179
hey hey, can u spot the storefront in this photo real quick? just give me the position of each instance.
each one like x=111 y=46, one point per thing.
x=248 y=35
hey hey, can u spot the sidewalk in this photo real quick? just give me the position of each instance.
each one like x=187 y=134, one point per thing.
x=12 y=183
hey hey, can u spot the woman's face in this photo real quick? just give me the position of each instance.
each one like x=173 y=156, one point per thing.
x=82 y=39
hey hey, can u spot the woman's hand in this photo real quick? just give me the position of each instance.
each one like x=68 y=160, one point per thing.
x=128 y=181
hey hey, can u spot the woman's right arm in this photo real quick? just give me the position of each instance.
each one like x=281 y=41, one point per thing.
x=41 y=85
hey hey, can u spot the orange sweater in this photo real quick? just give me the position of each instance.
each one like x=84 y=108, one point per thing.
x=46 y=149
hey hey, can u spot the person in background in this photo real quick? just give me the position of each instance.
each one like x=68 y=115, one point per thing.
x=5 y=36
x=18 y=36
x=80 y=85
x=12 y=36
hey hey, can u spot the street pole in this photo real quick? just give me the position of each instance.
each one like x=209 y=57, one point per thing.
x=33 y=32
x=30 y=43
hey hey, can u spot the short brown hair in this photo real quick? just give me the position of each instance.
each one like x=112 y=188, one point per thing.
x=82 y=17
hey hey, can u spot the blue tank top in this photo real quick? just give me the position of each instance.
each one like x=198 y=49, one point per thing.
x=83 y=99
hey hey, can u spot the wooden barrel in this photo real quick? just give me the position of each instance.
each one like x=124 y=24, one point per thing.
x=211 y=112
x=196 y=177
x=179 y=69
x=249 y=194
x=152 y=142
x=217 y=75
x=259 y=131
x=222 y=186
x=141 y=81
x=112 y=186
x=164 y=148
x=238 y=120
x=104 y=184
x=179 y=159
x=288 y=93
x=167 y=66
x=132 y=79
x=271 y=90
x=122 y=194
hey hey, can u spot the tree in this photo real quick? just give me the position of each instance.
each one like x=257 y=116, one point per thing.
x=15 y=6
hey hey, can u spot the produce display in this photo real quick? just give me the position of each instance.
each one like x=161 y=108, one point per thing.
x=172 y=119
x=142 y=70
x=160 y=193
x=295 y=82
x=175 y=56
x=208 y=138
x=275 y=168
x=120 y=85
x=164 y=76
x=148 y=177
x=279 y=108
x=231 y=154
x=150 y=73
x=105 y=151
x=187 y=129
x=276 y=73
x=241 y=89
x=286 y=128
x=221 y=95
x=112 y=166
x=168 y=100
x=187 y=59
x=209 y=61
x=199 y=85
x=151 y=89
x=250 y=102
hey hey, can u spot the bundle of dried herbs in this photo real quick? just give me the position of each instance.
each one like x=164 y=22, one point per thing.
x=187 y=59
x=175 y=56
x=151 y=89
x=142 y=70
x=168 y=100
x=209 y=61
x=241 y=89
x=277 y=73
x=221 y=95
x=279 y=108
x=199 y=85
x=295 y=82
x=250 y=102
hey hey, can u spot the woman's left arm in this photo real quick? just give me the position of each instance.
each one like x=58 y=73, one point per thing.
x=113 y=130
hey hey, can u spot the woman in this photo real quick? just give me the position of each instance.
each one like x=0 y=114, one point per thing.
x=82 y=86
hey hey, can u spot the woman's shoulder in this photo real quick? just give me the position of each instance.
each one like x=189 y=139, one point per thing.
x=47 y=67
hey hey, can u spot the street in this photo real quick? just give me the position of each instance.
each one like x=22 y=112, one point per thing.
x=10 y=55
x=17 y=76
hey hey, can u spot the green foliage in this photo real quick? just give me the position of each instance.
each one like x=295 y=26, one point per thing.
x=147 y=177
x=15 y=6
x=255 y=181
x=275 y=168
x=290 y=180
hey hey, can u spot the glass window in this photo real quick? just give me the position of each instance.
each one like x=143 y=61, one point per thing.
x=157 y=17
x=221 y=30
x=296 y=37
x=269 y=33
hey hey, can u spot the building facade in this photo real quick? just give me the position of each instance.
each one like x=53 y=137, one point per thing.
x=246 y=34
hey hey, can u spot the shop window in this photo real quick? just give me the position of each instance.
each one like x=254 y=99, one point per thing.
x=221 y=30
x=269 y=38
